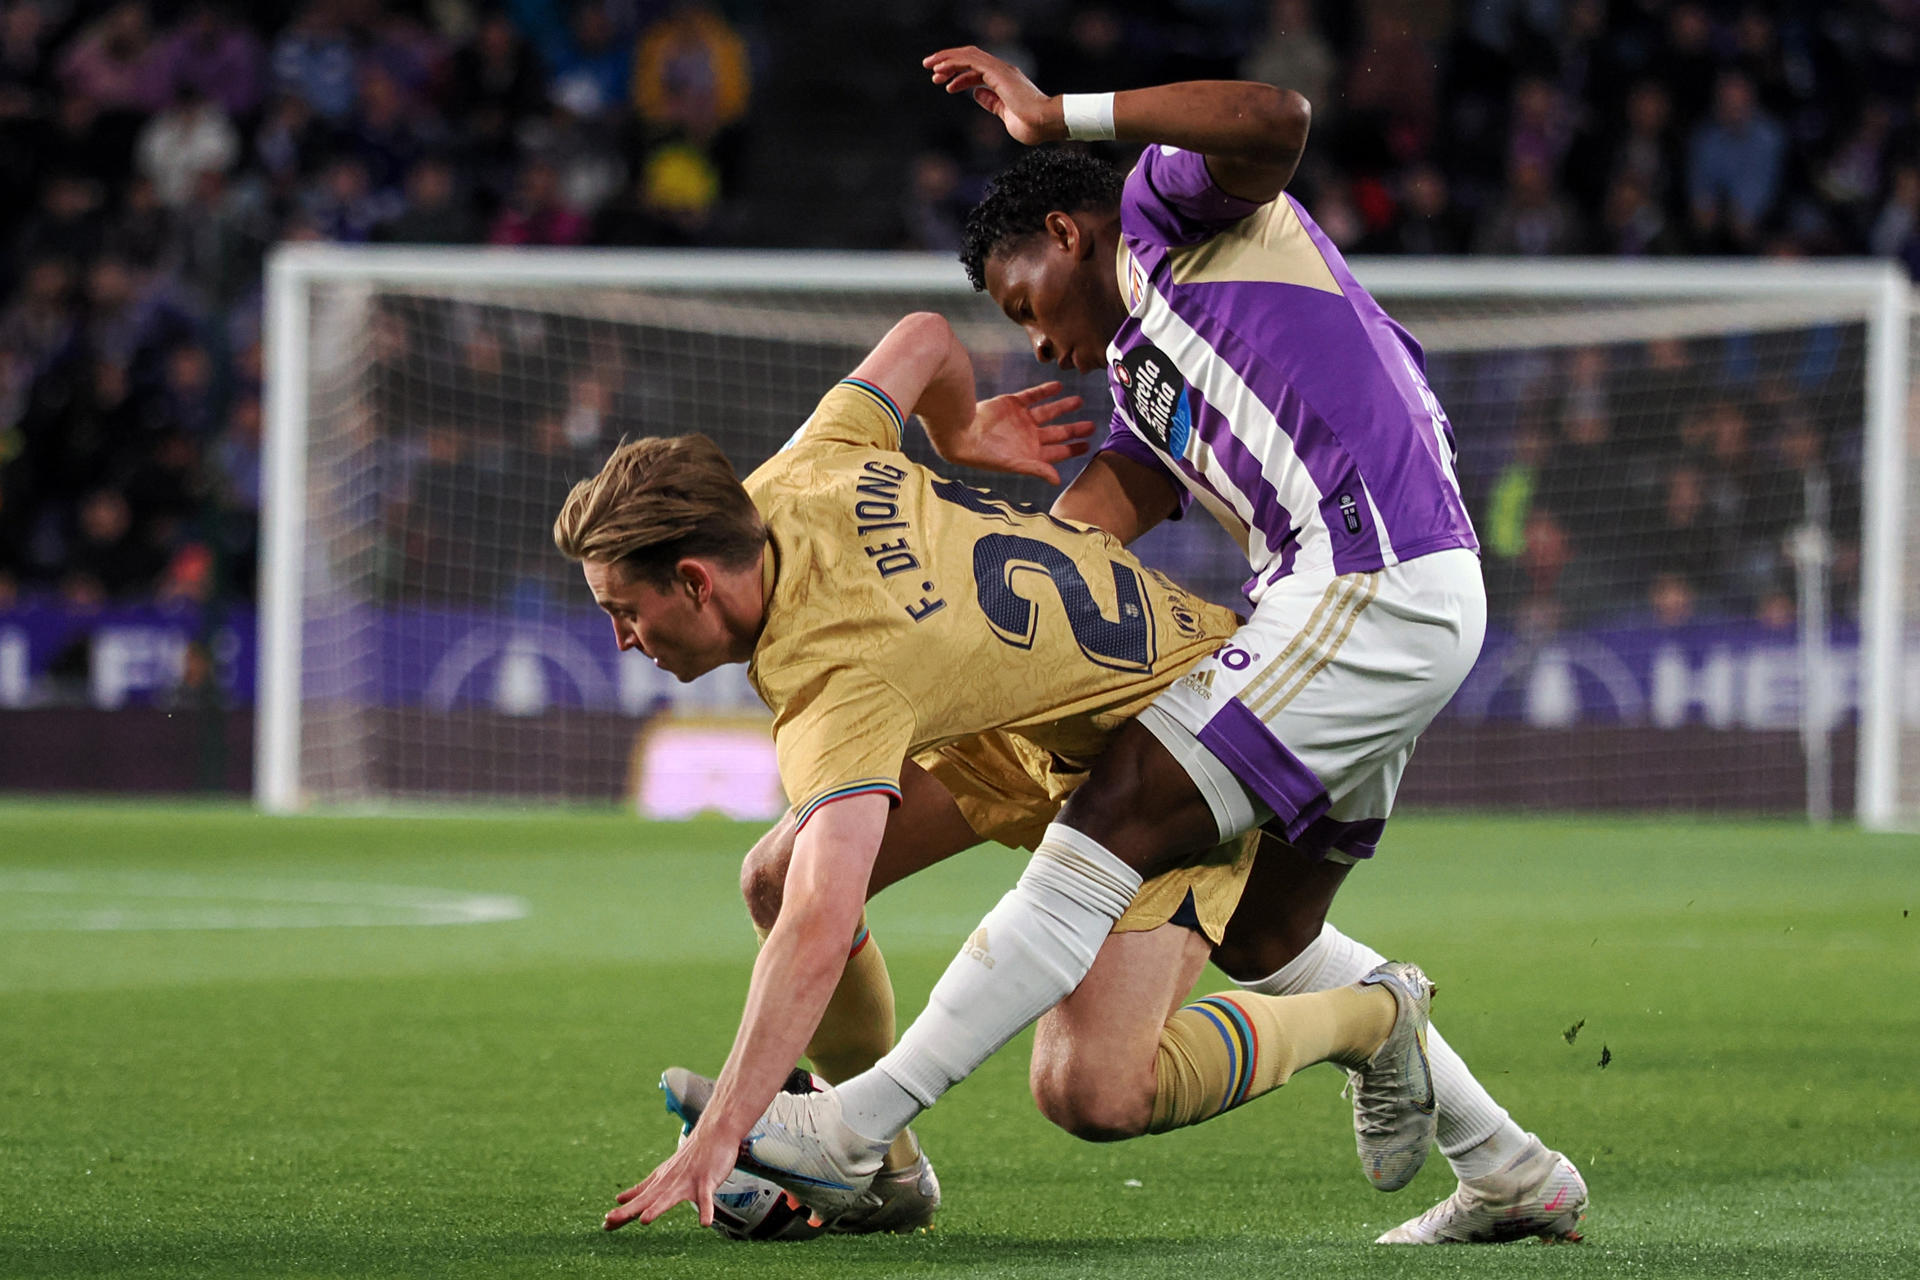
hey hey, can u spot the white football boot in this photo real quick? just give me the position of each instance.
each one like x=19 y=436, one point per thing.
x=1539 y=1194
x=1393 y=1111
x=868 y=1201
x=803 y=1145
x=800 y=1144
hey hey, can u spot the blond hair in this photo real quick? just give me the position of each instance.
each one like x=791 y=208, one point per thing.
x=657 y=501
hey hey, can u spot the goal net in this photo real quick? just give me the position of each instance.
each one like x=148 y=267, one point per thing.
x=1687 y=481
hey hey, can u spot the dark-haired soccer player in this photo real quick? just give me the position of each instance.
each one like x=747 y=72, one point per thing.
x=1251 y=373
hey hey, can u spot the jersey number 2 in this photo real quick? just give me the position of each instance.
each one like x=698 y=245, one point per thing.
x=1124 y=645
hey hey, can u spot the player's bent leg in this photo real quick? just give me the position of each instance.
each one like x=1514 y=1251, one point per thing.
x=1039 y=941
x=1104 y=1069
x=1281 y=912
x=1094 y=1053
x=1142 y=806
x=1224 y=1050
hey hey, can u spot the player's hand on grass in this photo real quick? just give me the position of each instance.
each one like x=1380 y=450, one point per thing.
x=1030 y=115
x=688 y=1176
x=1021 y=433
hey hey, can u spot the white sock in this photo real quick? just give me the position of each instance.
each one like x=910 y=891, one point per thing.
x=873 y=1105
x=1029 y=953
x=1474 y=1132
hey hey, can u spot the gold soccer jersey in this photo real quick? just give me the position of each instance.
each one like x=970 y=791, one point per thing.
x=906 y=612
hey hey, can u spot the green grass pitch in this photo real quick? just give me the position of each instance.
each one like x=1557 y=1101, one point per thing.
x=322 y=1086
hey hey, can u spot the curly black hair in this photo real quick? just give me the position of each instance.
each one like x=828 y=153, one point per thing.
x=1018 y=201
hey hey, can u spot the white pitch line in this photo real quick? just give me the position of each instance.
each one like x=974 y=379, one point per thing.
x=153 y=900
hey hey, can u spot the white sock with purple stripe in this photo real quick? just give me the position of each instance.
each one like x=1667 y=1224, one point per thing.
x=1475 y=1133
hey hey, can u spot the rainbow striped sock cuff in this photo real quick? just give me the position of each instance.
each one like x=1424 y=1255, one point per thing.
x=1243 y=1052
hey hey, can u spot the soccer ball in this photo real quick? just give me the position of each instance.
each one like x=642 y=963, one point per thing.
x=746 y=1207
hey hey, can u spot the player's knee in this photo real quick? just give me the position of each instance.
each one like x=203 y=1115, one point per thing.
x=1093 y=1104
x=763 y=881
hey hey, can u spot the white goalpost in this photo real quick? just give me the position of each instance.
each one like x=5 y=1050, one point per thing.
x=1692 y=481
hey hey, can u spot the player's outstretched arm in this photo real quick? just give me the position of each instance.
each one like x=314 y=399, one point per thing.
x=1119 y=495
x=923 y=366
x=792 y=980
x=1251 y=134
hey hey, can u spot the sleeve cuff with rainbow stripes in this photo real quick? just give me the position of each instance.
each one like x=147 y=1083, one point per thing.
x=885 y=401
x=866 y=786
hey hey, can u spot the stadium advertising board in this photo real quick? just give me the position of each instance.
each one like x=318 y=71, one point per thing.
x=1721 y=675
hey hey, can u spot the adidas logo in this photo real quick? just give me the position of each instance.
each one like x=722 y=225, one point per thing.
x=1201 y=682
x=977 y=948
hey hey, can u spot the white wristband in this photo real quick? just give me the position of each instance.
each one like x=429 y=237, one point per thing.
x=1089 y=115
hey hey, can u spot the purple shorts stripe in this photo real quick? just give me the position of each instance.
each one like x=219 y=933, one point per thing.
x=1355 y=839
x=1242 y=742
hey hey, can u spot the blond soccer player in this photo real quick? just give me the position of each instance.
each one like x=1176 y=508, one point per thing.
x=885 y=613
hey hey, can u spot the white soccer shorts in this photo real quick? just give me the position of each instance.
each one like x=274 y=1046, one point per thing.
x=1304 y=721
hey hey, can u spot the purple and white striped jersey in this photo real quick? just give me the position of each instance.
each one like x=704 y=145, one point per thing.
x=1257 y=374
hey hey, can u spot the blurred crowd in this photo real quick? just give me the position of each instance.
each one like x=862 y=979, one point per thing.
x=154 y=151
x=1630 y=128
x=1665 y=482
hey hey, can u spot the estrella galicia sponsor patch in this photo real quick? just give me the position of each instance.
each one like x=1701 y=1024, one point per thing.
x=1156 y=395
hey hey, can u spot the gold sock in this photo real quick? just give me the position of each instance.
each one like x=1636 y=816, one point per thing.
x=857 y=1028
x=1230 y=1048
